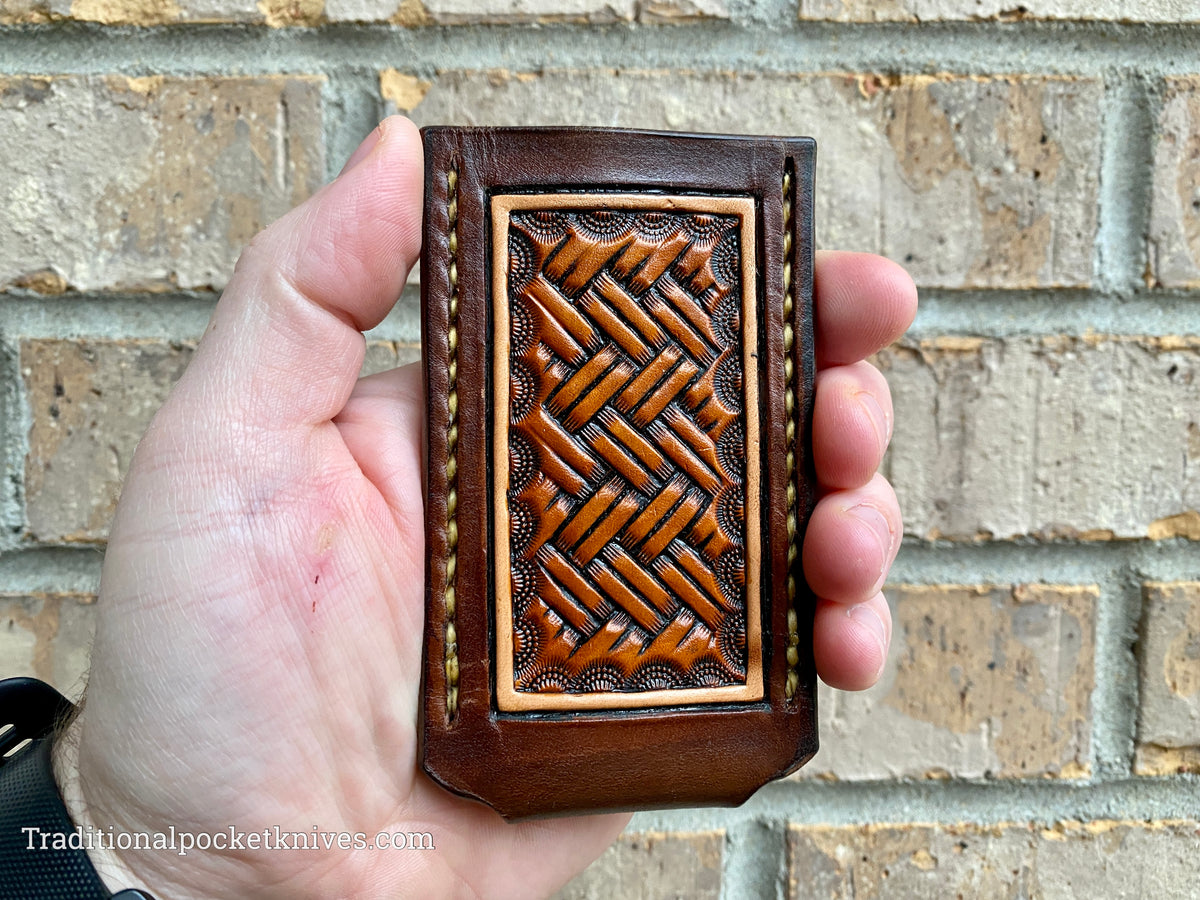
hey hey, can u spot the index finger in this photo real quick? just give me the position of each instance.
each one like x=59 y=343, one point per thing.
x=863 y=303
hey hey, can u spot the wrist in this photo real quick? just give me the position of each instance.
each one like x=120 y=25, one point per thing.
x=41 y=852
x=112 y=869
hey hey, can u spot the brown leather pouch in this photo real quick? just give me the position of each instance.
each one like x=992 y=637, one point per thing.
x=618 y=348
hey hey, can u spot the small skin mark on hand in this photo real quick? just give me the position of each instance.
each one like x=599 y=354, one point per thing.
x=325 y=537
x=314 y=606
x=317 y=579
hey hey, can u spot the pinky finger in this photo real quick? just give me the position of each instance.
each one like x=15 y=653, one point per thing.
x=850 y=643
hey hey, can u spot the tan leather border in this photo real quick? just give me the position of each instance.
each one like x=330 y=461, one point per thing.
x=507 y=698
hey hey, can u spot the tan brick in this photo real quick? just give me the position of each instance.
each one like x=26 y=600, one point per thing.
x=412 y=13
x=19 y=12
x=144 y=13
x=284 y=13
x=980 y=681
x=1004 y=10
x=1154 y=759
x=1174 y=241
x=1169 y=655
x=456 y=12
x=124 y=183
x=131 y=12
x=402 y=91
x=383 y=355
x=47 y=636
x=1047 y=436
x=89 y=403
x=1014 y=159
x=998 y=862
x=654 y=865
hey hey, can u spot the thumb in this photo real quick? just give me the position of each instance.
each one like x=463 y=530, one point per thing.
x=285 y=345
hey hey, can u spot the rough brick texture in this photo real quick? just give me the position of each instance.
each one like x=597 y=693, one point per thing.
x=1175 y=212
x=1169 y=652
x=452 y=12
x=89 y=402
x=1004 y=10
x=383 y=355
x=412 y=13
x=1034 y=163
x=651 y=865
x=190 y=170
x=1047 y=436
x=1003 y=862
x=981 y=681
x=47 y=636
x=1016 y=159
x=161 y=12
x=415 y=13
x=129 y=12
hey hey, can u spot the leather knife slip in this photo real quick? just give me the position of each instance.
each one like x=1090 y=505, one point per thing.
x=618 y=351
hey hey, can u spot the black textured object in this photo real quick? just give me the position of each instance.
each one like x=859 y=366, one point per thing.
x=29 y=798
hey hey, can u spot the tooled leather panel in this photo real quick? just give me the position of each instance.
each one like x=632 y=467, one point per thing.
x=626 y=451
x=524 y=756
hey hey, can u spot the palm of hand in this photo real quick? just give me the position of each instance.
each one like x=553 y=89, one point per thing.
x=258 y=657
x=293 y=563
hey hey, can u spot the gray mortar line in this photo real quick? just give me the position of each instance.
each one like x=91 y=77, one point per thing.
x=1027 y=561
x=1068 y=48
x=1036 y=801
x=51 y=570
x=116 y=316
x=1126 y=182
x=753 y=862
x=1116 y=685
x=352 y=108
x=988 y=314
x=1004 y=314
x=175 y=316
x=919 y=562
x=13 y=425
x=1173 y=560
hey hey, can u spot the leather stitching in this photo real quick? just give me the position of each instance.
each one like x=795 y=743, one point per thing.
x=789 y=402
x=452 y=449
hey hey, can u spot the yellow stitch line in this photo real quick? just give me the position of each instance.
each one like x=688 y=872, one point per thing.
x=793 y=656
x=451 y=635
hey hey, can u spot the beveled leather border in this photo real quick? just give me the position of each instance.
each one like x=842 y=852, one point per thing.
x=507 y=698
x=557 y=762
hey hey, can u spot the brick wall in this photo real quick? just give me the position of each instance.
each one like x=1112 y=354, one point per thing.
x=1036 y=167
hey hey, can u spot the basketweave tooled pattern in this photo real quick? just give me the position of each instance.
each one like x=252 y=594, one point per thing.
x=626 y=451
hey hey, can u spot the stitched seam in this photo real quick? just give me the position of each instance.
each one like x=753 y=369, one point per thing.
x=789 y=403
x=452 y=449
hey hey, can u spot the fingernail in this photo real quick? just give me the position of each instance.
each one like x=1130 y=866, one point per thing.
x=880 y=527
x=363 y=151
x=881 y=420
x=866 y=617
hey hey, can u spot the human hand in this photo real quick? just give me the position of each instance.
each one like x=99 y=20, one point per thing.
x=258 y=651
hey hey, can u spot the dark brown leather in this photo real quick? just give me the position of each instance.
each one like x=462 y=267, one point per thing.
x=619 y=471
